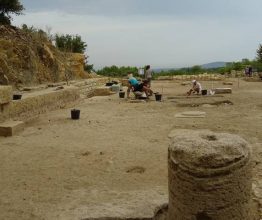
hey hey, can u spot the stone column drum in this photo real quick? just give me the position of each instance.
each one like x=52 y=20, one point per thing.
x=209 y=176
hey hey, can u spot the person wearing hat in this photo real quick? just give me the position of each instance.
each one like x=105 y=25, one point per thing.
x=196 y=88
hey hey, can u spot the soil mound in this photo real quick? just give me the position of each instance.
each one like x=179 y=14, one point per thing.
x=30 y=58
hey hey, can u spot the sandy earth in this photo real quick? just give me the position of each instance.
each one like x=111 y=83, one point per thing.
x=113 y=162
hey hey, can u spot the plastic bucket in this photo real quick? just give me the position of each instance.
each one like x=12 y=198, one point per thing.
x=158 y=97
x=109 y=84
x=122 y=94
x=115 y=88
x=204 y=92
x=17 y=97
x=75 y=114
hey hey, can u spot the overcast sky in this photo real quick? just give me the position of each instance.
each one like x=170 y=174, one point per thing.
x=163 y=33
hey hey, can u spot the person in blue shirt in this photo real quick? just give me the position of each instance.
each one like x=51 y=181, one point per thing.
x=137 y=86
x=133 y=84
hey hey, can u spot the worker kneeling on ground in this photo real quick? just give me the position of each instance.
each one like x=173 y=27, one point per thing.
x=138 y=87
x=144 y=87
x=196 y=88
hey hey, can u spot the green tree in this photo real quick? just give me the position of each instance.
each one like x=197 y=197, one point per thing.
x=70 y=43
x=36 y=33
x=246 y=61
x=259 y=53
x=196 y=69
x=114 y=71
x=88 y=67
x=8 y=7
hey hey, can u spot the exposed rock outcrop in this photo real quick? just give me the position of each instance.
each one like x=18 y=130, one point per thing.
x=31 y=58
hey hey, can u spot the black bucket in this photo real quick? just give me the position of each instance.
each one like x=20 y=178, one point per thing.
x=204 y=92
x=122 y=94
x=75 y=114
x=17 y=97
x=109 y=84
x=158 y=97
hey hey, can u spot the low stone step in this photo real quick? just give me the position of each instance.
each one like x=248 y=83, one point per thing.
x=223 y=90
x=10 y=128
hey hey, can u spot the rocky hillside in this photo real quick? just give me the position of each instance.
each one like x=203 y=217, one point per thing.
x=31 y=59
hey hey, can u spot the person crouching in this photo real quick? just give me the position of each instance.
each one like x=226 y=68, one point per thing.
x=141 y=88
x=196 y=88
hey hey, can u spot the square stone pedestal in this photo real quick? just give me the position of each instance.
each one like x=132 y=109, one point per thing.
x=10 y=128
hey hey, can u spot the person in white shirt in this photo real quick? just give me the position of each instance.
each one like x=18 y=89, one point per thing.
x=148 y=74
x=196 y=88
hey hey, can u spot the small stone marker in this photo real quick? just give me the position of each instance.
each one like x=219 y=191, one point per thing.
x=209 y=176
x=191 y=114
x=10 y=128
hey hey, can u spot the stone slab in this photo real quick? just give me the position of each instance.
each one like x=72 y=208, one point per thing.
x=223 y=90
x=191 y=114
x=6 y=93
x=10 y=128
x=194 y=96
x=137 y=101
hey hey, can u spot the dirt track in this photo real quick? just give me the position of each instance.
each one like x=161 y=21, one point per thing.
x=113 y=162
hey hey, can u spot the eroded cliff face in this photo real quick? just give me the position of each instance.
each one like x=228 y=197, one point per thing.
x=31 y=59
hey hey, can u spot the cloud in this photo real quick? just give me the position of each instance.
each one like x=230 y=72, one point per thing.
x=162 y=33
x=177 y=8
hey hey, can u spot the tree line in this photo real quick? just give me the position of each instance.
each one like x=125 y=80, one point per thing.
x=115 y=71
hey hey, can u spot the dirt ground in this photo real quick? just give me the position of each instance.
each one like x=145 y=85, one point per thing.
x=113 y=161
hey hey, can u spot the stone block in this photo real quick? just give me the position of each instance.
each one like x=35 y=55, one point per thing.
x=10 y=128
x=191 y=114
x=223 y=90
x=228 y=83
x=5 y=94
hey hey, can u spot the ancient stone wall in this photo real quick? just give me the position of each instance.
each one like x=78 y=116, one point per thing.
x=38 y=102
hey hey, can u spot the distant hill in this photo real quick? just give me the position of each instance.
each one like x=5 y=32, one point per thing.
x=204 y=66
x=213 y=65
x=158 y=70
